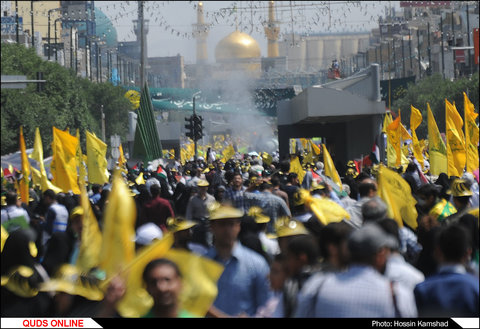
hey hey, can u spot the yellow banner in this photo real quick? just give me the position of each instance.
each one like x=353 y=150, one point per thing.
x=471 y=134
x=24 y=181
x=436 y=147
x=64 y=172
x=415 y=121
x=96 y=159
x=118 y=246
x=456 y=155
x=330 y=169
x=395 y=191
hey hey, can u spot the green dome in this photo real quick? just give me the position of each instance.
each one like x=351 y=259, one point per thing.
x=103 y=26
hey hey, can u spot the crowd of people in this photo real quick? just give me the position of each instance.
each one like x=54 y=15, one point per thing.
x=251 y=217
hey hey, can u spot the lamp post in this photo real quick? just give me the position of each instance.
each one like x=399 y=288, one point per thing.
x=49 y=15
x=56 y=42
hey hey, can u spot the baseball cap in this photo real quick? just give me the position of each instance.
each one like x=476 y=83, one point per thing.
x=147 y=233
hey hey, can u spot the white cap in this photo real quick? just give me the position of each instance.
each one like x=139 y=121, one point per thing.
x=147 y=233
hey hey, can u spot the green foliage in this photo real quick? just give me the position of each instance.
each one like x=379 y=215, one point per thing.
x=67 y=101
x=434 y=90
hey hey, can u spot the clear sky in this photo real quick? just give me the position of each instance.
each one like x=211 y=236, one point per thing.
x=170 y=22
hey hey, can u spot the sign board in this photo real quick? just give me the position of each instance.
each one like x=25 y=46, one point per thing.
x=14 y=81
x=459 y=56
x=8 y=25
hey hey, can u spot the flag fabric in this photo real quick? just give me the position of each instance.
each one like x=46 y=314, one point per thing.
x=436 y=147
x=82 y=172
x=471 y=134
x=200 y=276
x=64 y=171
x=326 y=210
x=140 y=180
x=91 y=237
x=394 y=139
x=37 y=154
x=329 y=167
x=121 y=158
x=24 y=181
x=228 y=153
x=297 y=168
x=315 y=148
x=161 y=172
x=96 y=159
x=396 y=192
x=415 y=121
x=118 y=247
x=137 y=302
x=456 y=155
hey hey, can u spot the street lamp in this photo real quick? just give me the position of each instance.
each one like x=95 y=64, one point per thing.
x=49 y=14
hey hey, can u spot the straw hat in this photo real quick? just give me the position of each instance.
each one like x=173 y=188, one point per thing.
x=257 y=213
x=286 y=226
x=459 y=188
x=179 y=224
x=225 y=212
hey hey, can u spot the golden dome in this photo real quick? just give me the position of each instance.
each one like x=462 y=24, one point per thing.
x=237 y=45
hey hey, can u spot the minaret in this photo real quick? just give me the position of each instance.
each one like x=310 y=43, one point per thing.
x=272 y=31
x=201 y=31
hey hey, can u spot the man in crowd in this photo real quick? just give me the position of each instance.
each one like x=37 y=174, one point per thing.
x=243 y=286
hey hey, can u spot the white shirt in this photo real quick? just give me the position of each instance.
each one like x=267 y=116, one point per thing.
x=12 y=212
x=398 y=270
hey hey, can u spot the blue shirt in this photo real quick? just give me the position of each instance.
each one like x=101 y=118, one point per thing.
x=243 y=286
x=359 y=292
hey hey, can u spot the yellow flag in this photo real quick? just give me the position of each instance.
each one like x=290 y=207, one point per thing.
x=436 y=147
x=36 y=177
x=471 y=134
x=394 y=138
x=82 y=172
x=4 y=236
x=315 y=148
x=121 y=158
x=91 y=238
x=64 y=148
x=24 y=181
x=228 y=153
x=293 y=146
x=118 y=247
x=137 y=302
x=296 y=167
x=456 y=155
x=415 y=120
x=396 y=193
x=200 y=276
x=330 y=169
x=96 y=159
x=326 y=210
x=139 y=180
x=37 y=154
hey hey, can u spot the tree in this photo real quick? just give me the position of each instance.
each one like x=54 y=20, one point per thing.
x=434 y=90
x=67 y=101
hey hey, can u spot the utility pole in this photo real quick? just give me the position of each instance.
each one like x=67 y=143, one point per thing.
x=429 y=50
x=418 y=48
x=31 y=17
x=142 y=43
x=16 y=22
x=442 y=46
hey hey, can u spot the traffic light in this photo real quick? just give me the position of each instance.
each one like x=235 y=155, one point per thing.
x=198 y=127
x=190 y=128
